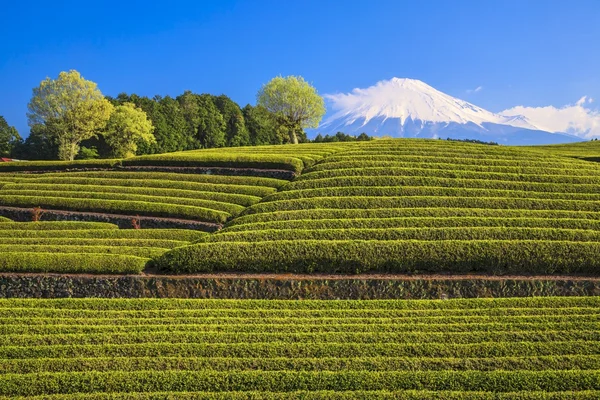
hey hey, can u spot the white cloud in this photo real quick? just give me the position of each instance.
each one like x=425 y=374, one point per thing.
x=477 y=89
x=576 y=119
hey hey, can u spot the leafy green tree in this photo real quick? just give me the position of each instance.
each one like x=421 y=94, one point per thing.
x=127 y=126
x=9 y=138
x=72 y=109
x=294 y=101
x=235 y=128
x=263 y=126
x=211 y=126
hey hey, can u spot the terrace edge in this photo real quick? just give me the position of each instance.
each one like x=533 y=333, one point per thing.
x=293 y=287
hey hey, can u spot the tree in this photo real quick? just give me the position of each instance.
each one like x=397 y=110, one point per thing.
x=39 y=145
x=294 y=101
x=235 y=127
x=72 y=109
x=9 y=138
x=262 y=126
x=211 y=126
x=127 y=126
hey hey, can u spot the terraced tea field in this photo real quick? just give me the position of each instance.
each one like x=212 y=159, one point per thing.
x=544 y=348
x=416 y=206
x=385 y=206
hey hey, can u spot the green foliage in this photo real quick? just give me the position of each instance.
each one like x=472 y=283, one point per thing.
x=398 y=256
x=211 y=124
x=127 y=127
x=71 y=108
x=87 y=153
x=476 y=349
x=9 y=138
x=49 y=260
x=341 y=137
x=56 y=165
x=294 y=101
x=126 y=207
x=236 y=131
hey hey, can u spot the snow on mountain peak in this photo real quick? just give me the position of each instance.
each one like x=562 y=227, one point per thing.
x=410 y=100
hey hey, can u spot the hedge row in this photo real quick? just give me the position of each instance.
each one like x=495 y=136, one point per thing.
x=258 y=191
x=241 y=199
x=125 y=322
x=326 y=395
x=435 y=162
x=229 y=208
x=6 y=249
x=496 y=257
x=287 y=381
x=186 y=235
x=434 y=212
x=117 y=206
x=384 y=180
x=171 y=176
x=480 y=305
x=447 y=233
x=199 y=159
x=54 y=261
x=214 y=338
x=412 y=191
x=255 y=326
x=102 y=242
x=55 y=226
x=56 y=165
x=27 y=366
x=416 y=222
x=455 y=174
x=358 y=202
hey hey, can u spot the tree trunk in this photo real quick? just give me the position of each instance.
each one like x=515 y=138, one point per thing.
x=293 y=136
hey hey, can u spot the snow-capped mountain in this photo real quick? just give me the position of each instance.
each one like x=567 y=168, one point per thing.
x=411 y=108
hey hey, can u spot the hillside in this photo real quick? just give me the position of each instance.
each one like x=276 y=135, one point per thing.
x=394 y=206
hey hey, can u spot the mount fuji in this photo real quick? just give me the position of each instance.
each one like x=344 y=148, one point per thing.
x=411 y=108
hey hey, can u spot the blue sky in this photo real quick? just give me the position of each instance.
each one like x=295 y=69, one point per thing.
x=530 y=53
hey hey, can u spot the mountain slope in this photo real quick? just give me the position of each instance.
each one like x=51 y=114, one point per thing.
x=411 y=108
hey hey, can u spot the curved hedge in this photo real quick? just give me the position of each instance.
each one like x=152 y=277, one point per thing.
x=455 y=174
x=414 y=222
x=433 y=212
x=229 y=208
x=223 y=159
x=52 y=261
x=258 y=191
x=241 y=199
x=346 y=256
x=185 y=235
x=448 y=233
x=56 y=165
x=413 y=191
x=55 y=226
x=364 y=202
x=117 y=206
x=390 y=180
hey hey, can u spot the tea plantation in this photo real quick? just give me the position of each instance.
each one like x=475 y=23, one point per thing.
x=532 y=348
x=384 y=206
x=408 y=206
x=393 y=206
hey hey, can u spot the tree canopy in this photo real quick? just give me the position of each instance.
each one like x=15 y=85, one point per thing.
x=9 y=138
x=127 y=126
x=72 y=109
x=294 y=101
